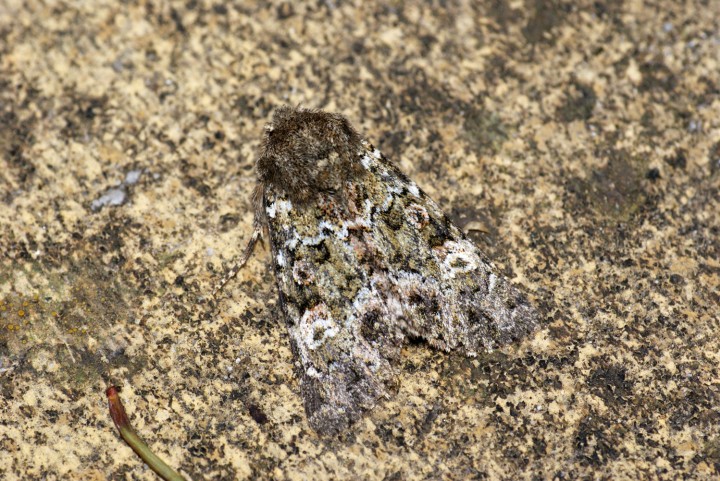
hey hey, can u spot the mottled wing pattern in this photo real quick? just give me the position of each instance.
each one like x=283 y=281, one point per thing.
x=360 y=271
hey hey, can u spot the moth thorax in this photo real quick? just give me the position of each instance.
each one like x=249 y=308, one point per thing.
x=307 y=152
x=302 y=173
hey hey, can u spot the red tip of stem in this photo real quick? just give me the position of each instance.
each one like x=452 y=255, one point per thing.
x=117 y=411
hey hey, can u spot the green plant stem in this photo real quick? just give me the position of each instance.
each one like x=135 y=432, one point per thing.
x=122 y=422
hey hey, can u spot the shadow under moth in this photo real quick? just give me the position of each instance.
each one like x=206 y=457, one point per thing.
x=365 y=259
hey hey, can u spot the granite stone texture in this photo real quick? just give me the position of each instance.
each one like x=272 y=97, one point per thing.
x=578 y=143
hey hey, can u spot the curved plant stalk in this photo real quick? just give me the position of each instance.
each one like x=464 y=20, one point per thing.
x=120 y=418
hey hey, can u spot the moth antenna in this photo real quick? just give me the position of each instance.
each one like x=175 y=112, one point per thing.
x=259 y=224
x=256 y=235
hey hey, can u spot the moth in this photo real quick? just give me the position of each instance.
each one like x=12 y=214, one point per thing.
x=364 y=260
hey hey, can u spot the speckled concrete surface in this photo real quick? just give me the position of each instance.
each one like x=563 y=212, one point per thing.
x=577 y=142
